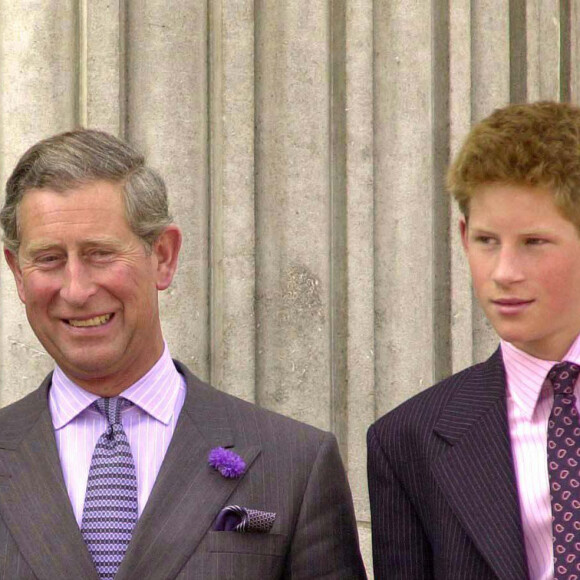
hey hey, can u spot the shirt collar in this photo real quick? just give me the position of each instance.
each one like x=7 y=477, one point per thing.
x=155 y=393
x=526 y=374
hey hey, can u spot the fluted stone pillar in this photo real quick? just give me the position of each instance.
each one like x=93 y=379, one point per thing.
x=38 y=96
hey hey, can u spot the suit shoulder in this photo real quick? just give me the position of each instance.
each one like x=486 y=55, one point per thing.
x=275 y=420
x=421 y=412
x=17 y=417
x=250 y=418
x=28 y=405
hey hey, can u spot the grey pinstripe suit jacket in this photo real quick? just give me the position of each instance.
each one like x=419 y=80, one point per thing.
x=293 y=470
x=443 y=491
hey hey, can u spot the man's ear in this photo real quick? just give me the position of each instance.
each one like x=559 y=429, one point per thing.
x=166 y=250
x=463 y=232
x=12 y=261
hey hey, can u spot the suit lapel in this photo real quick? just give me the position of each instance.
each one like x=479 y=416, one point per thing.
x=33 y=499
x=188 y=494
x=476 y=473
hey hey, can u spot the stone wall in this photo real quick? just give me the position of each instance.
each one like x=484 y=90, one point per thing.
x=304 y=143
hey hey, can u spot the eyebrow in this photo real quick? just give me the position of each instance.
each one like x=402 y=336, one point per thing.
x=538 y=231
x=41 y=246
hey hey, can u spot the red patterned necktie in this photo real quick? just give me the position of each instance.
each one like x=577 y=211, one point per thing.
x=564 y=471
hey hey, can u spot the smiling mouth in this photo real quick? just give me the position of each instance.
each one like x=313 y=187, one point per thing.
x=91 y=322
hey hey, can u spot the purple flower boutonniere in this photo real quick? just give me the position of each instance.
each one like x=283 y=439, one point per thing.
x=228 y=463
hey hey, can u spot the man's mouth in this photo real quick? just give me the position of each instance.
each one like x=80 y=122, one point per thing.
x=88 y=322
x=511 y=301
x=511 y=306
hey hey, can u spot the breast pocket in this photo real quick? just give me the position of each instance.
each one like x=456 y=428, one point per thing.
x=247 y=543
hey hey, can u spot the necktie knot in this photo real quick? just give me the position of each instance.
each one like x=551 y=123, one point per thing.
x=110 y=408
x=563 y=377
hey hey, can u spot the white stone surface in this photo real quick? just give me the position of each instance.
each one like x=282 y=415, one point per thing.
x=404 y=199
x=233 y=238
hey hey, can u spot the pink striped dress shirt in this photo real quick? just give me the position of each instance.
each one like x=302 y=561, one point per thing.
x=529 y=403
x=149 y=423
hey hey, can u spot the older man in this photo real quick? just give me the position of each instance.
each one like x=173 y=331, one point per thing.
x=123 y=464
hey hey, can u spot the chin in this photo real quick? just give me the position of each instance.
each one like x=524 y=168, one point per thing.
x=91 y=366
x=518 y=339
x=84 y=371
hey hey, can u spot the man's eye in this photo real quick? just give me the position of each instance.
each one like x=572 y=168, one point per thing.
x=536 y=241
x=47 y=259
x=99 y=254
x=486 y=240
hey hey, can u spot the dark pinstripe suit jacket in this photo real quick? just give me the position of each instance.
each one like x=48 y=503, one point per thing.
x=293 y=470
x=442 y=484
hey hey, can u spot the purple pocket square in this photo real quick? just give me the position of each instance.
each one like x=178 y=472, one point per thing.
x=234 y=518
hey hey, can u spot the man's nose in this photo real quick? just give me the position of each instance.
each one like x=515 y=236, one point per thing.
x=508 y=267
x=78 y=285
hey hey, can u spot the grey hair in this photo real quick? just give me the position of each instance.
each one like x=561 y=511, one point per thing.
x=78 y=157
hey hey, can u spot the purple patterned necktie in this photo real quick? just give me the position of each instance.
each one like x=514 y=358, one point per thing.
x=110 y=510
x=563 y=461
